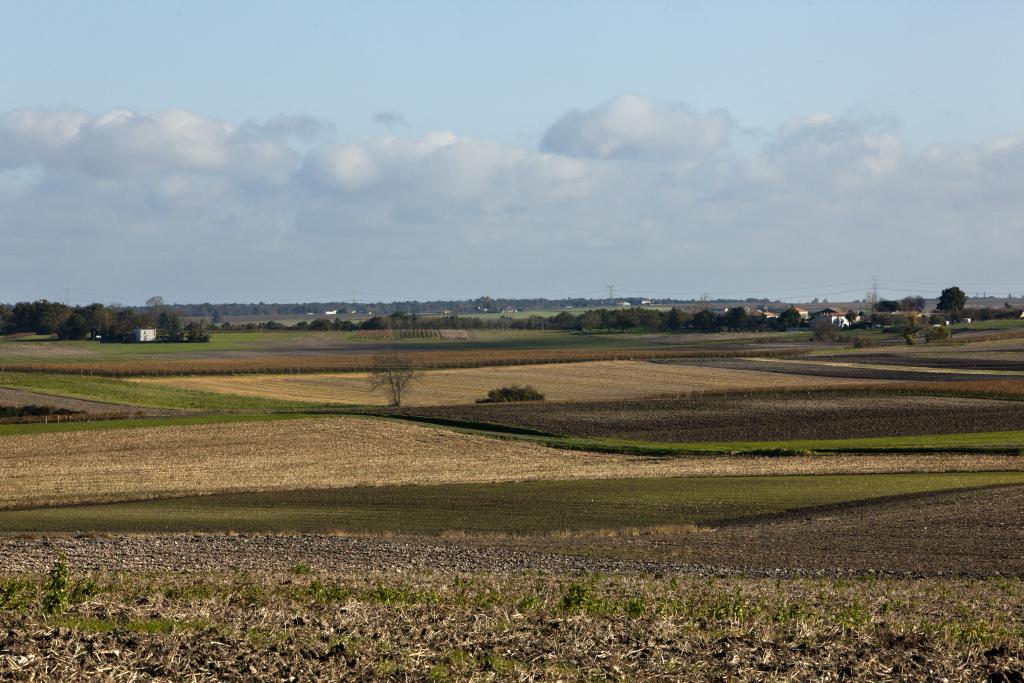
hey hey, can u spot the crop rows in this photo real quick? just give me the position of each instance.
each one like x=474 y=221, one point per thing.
x=598 y=380
x=357 y=362
x=765 y=417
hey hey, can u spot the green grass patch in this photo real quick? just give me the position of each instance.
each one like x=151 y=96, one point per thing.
x=14 y=351
x=517 y=508
x=977 y=442
x=144 y=394
x=980 y=325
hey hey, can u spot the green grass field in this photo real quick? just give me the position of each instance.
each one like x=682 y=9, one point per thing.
x=526 y=507
x=34 y=349
x=111 y=390
x=981 y=441
x=979 y=325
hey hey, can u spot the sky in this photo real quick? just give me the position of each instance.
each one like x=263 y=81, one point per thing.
x=268 y=151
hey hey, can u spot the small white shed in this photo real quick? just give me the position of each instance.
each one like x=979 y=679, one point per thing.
x=144 y=334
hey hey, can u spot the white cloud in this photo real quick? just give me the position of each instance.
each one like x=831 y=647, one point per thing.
x=633 y=127
x=633 y=190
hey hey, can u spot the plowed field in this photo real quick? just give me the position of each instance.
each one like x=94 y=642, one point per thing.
x=782 y=416
x=595 y=381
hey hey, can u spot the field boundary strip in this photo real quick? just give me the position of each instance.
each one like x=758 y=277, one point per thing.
x=352 y=362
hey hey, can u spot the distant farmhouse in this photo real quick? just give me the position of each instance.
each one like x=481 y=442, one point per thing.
x=836 y=317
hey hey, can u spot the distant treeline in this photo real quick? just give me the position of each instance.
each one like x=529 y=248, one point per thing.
x=96 y=321
x=484 y=304
x=115 y=323
x=619 y=319
x=676 y=319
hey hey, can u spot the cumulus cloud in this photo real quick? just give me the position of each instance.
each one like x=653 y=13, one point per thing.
x=632 y=188
x=633 y=127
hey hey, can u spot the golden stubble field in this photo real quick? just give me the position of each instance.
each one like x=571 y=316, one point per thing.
x=336 y=452
x=590 y=381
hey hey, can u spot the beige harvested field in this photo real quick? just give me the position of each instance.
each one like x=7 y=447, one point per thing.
x=337 y=452
x=590 y=381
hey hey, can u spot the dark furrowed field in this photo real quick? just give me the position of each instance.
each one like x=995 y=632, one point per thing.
x=972 y=360
x=436 y=625
x=897 y=370
x=770 y=416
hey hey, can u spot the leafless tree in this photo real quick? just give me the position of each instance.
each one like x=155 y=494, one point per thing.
x=392 y=373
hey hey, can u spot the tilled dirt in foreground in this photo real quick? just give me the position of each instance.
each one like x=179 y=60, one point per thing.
x=795 y=597
x=440 y=625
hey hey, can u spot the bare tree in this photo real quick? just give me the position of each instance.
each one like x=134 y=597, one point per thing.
x=393 y=374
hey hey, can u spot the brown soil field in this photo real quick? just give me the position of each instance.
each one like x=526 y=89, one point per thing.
x=966 y=532
x=152 y=462
x=972 y=362
x=977 y=532
x=849 y=368
x=760 y=417
x=46 y=350
x=599 y=380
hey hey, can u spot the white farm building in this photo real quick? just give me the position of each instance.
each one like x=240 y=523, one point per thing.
x=143 y=334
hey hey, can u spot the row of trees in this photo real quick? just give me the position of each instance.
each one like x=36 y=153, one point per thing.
x=109 y=323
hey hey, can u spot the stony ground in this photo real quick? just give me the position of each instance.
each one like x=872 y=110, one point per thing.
x=306 y=624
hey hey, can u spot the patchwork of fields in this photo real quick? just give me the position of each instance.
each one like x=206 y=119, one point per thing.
x=727 y=456
x=339 y=452
x=594 y=381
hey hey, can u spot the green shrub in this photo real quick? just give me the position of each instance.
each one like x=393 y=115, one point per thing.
x=512 y=393
x=55 y=597
x=938 y=334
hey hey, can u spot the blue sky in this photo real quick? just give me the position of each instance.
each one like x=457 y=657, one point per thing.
x=926 y=89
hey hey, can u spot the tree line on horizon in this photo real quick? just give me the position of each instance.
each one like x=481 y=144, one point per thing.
x=114 y=323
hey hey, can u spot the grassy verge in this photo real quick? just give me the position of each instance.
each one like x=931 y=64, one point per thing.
x=516 y=508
